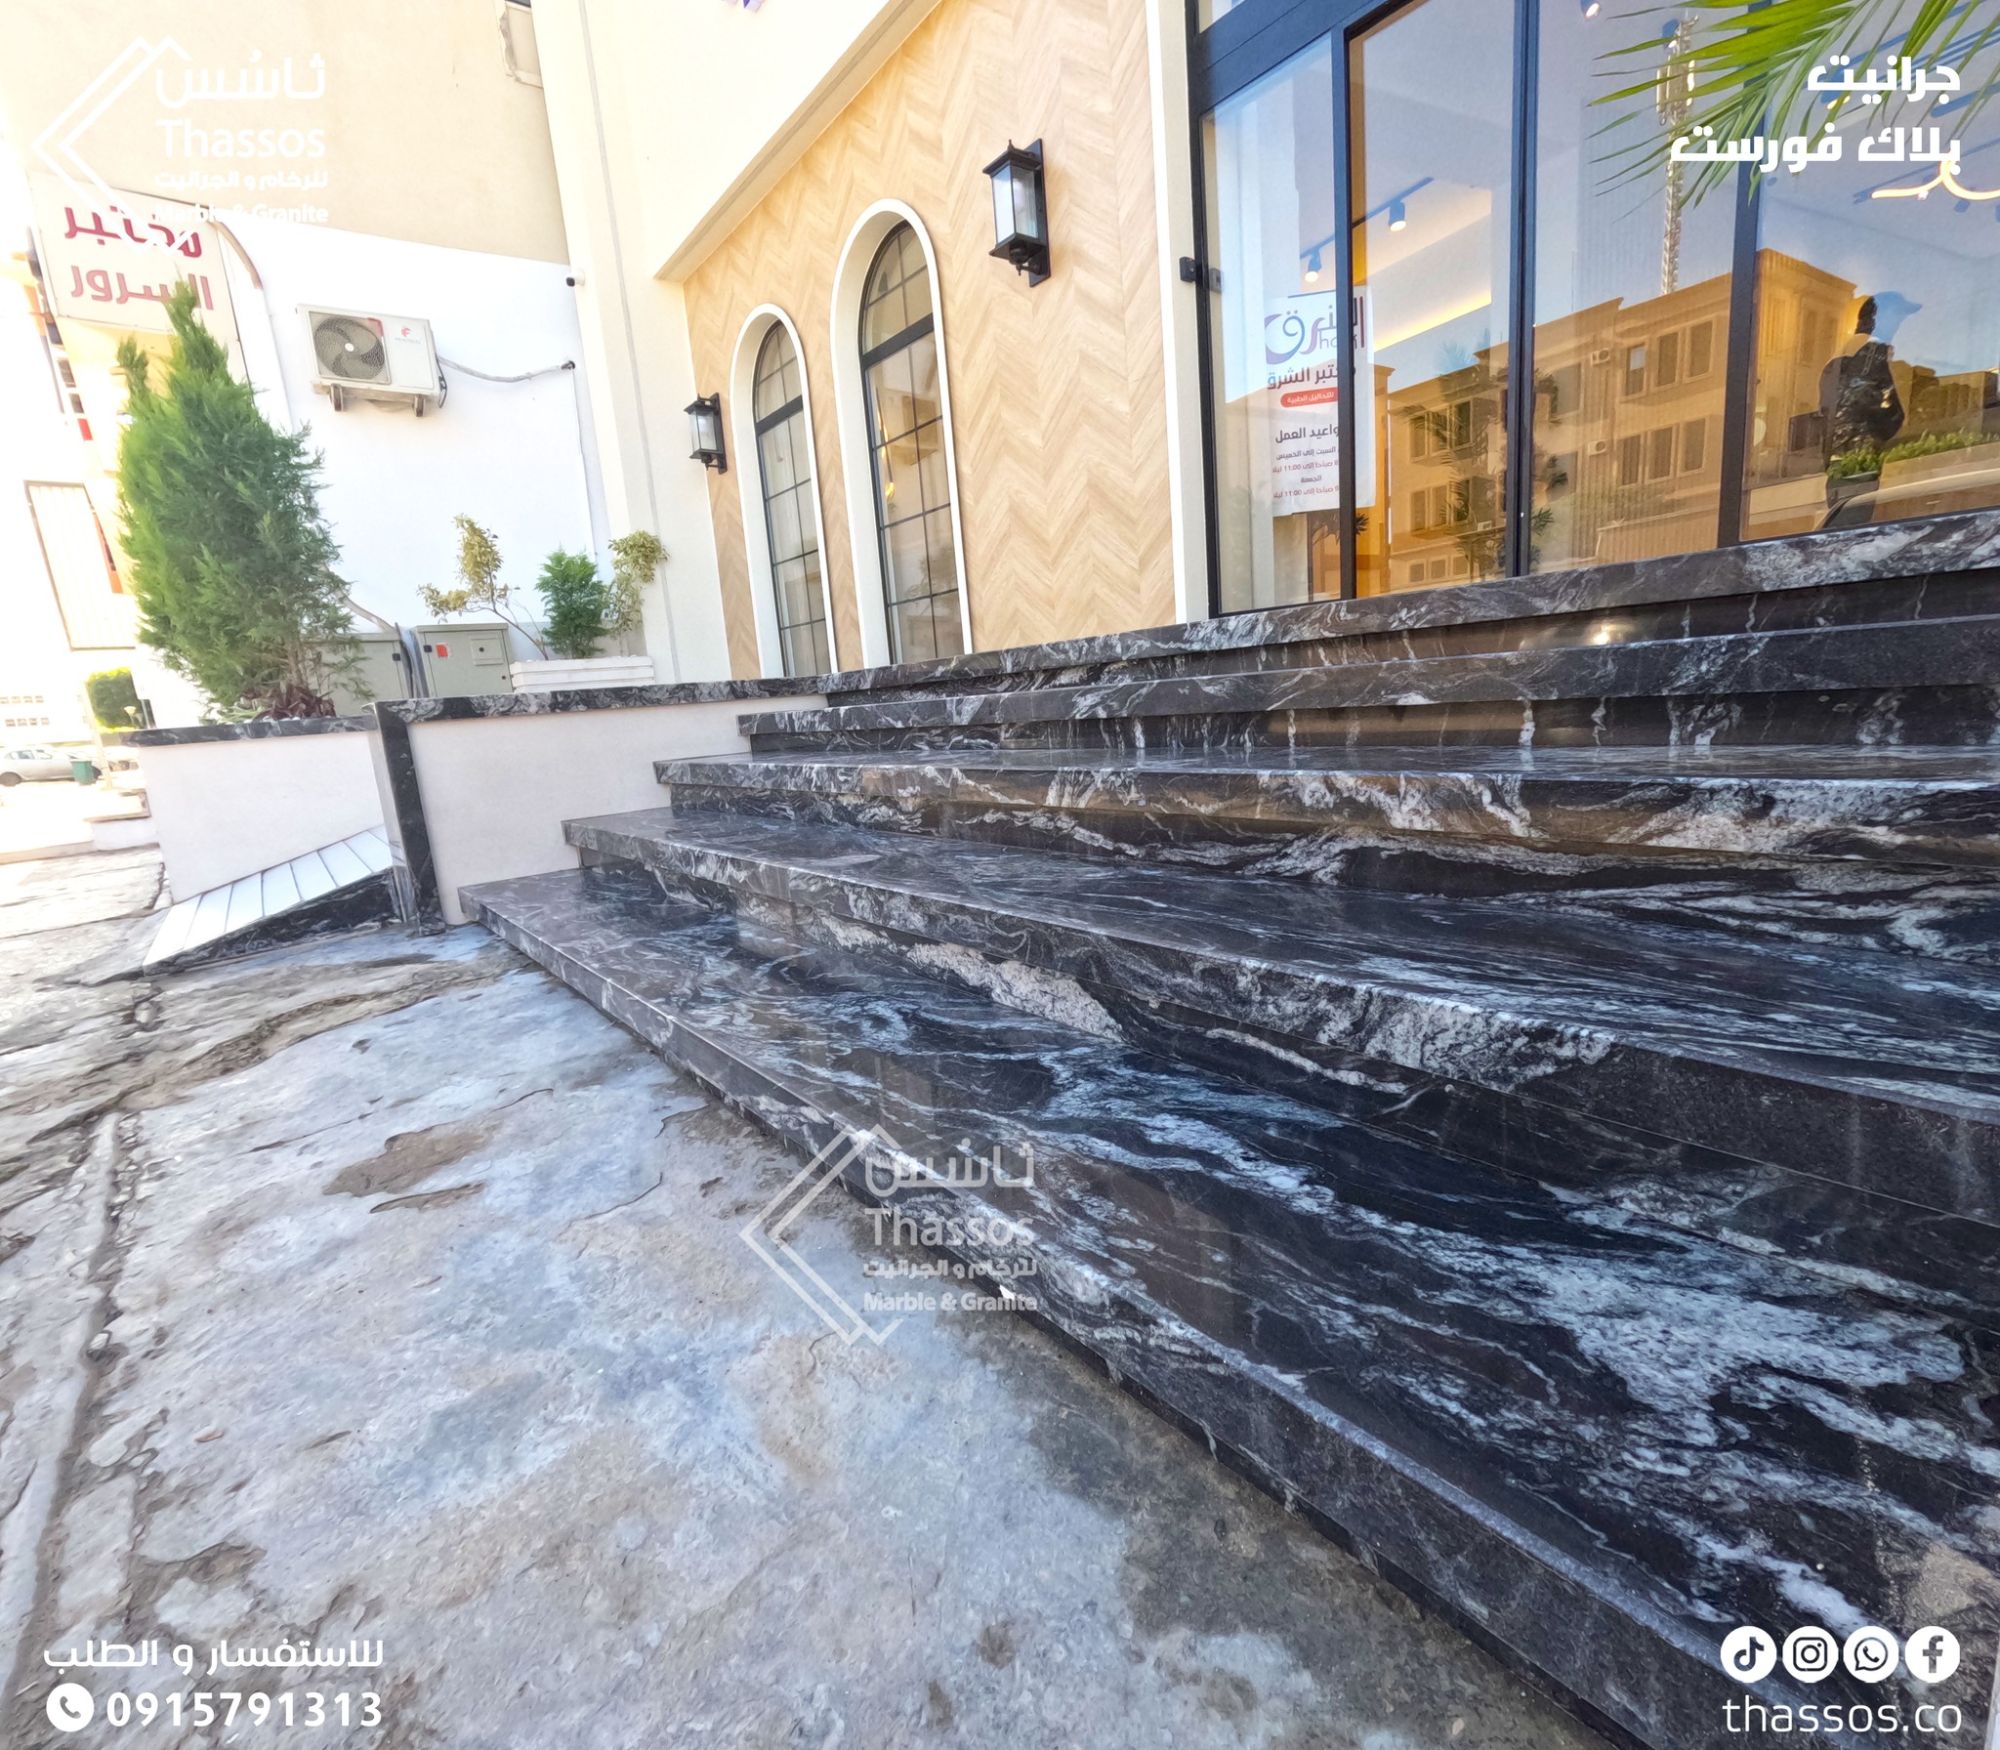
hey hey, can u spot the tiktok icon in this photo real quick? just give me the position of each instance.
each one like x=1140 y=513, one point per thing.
x=1749 y=1654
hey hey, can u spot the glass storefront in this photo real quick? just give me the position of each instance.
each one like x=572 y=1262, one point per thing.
x=1810 y=349
x=1631 y=302
x=1878 y=342
x=1432 y=216
x=1273 y=319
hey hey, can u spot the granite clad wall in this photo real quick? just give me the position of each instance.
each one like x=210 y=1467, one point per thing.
x=1058 y=411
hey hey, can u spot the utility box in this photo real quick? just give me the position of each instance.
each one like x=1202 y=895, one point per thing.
x=462 y=659
x=378 y=670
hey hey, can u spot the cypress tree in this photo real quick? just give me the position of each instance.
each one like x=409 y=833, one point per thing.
x=232 y=561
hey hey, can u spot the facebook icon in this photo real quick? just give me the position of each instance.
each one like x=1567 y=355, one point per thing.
x=1931 y=1654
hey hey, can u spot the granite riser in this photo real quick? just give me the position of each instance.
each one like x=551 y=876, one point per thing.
x=1942 y=654
x=1919 y=1257
x=1909 y=557
x=1945 y=914
x=1637 y=1039
x=1869 y=601
x=1858 y=717
x=1612 y=1574
x=1940 y=809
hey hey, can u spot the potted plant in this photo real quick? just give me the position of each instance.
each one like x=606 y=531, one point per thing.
x=582 y=611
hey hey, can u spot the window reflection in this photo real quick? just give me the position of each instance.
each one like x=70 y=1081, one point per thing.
x=1866 y=343
x=1274 y=320
x=1632 y=288
x=1433 y=208
x=1878 y=330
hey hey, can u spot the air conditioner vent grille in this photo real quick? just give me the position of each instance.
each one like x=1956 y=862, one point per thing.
x=350 y=348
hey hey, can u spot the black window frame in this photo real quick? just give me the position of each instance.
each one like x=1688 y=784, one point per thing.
x=925 y=327
x=805 y=491
x=1258 y=36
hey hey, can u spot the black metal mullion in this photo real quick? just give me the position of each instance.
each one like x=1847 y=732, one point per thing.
x=1739 y=361
x=797 y=404
x=1518 y=483
x=1204 y=338
x=1343 y=278
x=896 y=343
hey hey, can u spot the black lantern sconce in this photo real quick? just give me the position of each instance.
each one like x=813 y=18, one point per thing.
x=1021 y=210
x=705 y=429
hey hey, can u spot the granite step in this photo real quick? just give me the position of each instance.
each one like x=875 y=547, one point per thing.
x=1873 y=1072
x=1596 y=1442
x=1884 y=848
x=1922 y=569
x=1490 y=619
x=1926 y=805
x=1925 y=680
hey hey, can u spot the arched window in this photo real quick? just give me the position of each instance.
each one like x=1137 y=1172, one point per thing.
x=785 y=464
x=899 y=370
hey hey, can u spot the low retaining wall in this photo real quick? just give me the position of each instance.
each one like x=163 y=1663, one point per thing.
x=228 y=799
x=476 y=789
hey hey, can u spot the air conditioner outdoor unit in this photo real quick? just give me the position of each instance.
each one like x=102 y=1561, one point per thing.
x=1601 y=356
x=361 y=356
x=1600 y=446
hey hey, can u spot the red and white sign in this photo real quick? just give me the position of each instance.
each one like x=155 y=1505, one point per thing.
x=101 y=265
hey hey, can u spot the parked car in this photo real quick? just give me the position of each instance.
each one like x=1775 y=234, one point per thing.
x=20 y=765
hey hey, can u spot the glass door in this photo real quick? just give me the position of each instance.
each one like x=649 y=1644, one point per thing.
x=1431 y=93
x=1359 y=218
x=1273 y=324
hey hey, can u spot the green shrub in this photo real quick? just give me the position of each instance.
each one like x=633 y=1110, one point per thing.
x=479 y=584
x=1938 y=443
x=114 y=700
x=635 y=561
x=1867 y=459
x=577 y=603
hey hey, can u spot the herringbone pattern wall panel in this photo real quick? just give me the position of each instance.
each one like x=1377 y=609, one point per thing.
x=1057 y=404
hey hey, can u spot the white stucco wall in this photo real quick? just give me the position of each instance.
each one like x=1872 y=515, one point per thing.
x=496 y=790
x=669 y=123
x=225 y=809
x=518 y=457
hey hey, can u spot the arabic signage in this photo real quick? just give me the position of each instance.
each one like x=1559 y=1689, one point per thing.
x=1302 y=401
x=1843 y=84
x=99 y=264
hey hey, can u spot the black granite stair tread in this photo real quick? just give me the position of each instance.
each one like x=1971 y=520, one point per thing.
x=1919 y=1033
x=1959 y=652
x=1952 y=767
x=1603 y=1440
x=1911 y=805
x=1871 y=1070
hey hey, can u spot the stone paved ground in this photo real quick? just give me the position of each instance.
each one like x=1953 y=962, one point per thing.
x=381 y=1288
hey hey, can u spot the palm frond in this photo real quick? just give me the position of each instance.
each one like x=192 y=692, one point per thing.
x=1748 y=61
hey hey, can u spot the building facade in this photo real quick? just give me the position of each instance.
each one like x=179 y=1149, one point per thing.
x=308 y=171
x=1178 y=422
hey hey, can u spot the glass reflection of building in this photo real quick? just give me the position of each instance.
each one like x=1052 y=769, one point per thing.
x=1688 y=373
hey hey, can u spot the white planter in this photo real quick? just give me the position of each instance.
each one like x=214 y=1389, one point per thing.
x=561 y=675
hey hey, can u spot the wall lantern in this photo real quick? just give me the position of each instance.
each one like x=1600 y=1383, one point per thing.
x=705 y=429
x=1021 y=210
